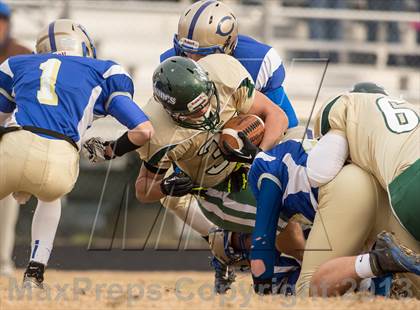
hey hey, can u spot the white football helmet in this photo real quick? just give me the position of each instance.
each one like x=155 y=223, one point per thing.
x=206 y=27
x=67 y=37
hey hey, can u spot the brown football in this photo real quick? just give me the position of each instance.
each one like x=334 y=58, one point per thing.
x=250 y=124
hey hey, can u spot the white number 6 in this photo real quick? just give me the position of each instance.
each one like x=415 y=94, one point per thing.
x=397 y=119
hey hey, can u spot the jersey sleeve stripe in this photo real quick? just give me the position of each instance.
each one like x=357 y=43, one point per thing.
x=324 y=121
x=115 y=94
x=114 y=70
x=5 y=68
x=154 y=160
x=6 y=95
x=87 y=117
x=270 y=177
x=270 y=64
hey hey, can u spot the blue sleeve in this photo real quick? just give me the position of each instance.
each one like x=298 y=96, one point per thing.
x=279 y=97
x=264 y=235
x=115 y=85
x=127 y=112
x=169 y=53
x=276 y=80
x=7 y=105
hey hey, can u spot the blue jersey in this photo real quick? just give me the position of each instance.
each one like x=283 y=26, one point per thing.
x=64 y=93
x=265 y=67
x=281 y=187
x=285 y=165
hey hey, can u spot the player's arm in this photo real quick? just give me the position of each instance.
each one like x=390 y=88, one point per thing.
x=117 y=101
x=151 y=185
x=148 y=183
x=264 y=234
x=7 y=103
x=270 y=80
x=272 y=87
x=327 y=158
x=129 y=114
x=329 y=155
x=280 y=98
x=250 y=101
x=274 y=118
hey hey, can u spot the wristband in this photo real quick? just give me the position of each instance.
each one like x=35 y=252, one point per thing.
x=123 y=145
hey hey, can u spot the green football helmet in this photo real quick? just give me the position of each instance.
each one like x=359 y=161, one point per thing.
x=369 y=88
x=184 y=90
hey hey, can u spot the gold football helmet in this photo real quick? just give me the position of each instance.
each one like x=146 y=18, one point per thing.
x=67 y=37
x=206 y=27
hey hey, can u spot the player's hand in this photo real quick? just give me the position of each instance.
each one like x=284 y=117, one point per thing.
x=238 y=179
x=244 y=155
x=177 y=184
x=262 y=286
x=95 y=150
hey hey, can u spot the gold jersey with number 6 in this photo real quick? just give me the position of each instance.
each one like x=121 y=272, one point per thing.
x=384 y=139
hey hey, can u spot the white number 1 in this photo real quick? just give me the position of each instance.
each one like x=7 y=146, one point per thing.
x=46 y=94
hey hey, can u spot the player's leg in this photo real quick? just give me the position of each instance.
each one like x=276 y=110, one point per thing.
x=44 y=227
x=9 y=211
x=405 y=196
x=347 y=207
x=341 y=272
x=388 y=256
x=389 y=222
x=12 y=155
x=59 y=162
x=186 y=208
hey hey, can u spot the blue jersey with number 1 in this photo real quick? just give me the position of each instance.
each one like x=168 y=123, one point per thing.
x=64 y=93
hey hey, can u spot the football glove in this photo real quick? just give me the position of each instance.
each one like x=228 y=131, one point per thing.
x=238 y=179
x=94 y=150
x=177 y=184
x=244 y=155
x=262 y=286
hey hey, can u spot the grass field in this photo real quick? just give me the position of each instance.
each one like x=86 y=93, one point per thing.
x=164 y=290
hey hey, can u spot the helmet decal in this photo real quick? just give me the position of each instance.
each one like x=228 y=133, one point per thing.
x=198 y=103
x=220 y=25
x=196 y=16
x=65 y=37
x=161 y=96
x=52 y=37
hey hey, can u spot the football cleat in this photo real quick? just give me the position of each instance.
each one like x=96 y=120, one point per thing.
x=390 y=256
x=34 y=276
x=224 y=276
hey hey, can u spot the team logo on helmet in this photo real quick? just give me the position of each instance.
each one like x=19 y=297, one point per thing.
x=162 y=96
x=222 y=22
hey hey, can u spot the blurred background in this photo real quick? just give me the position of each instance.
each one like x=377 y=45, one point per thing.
x=364 y=40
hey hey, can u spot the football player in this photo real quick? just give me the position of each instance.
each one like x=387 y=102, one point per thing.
x=285 y=183
x=211 y=27
x=9 y=210
x=192 y=101
x=47 y=102
x=381 y=135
